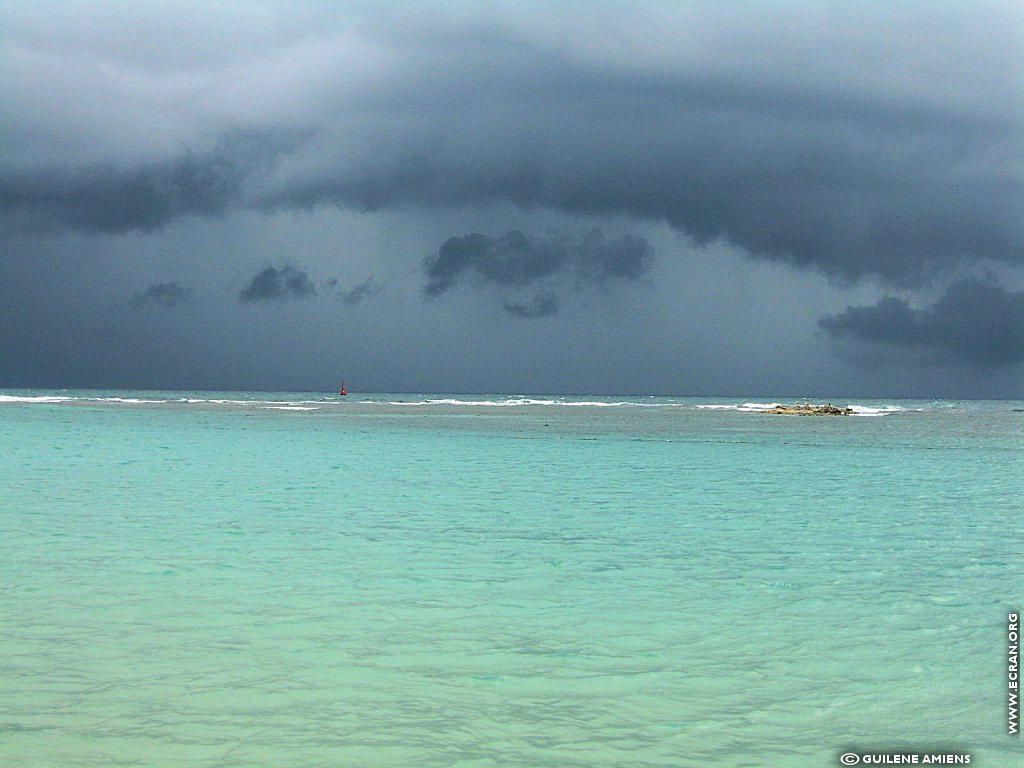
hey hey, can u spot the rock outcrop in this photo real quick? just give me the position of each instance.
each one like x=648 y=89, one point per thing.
x=810 y=409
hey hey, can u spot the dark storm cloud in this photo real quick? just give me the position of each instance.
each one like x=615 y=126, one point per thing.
x=625 y=258
x=865 y=140
x=272 y=283
x=361 y=292
x=516 y=259
x=814 y=175
x=163 y=295
x=975 y=321
x=455 y=256
x=541 y=305
x=852 y=199
x=511 y=259
x=805 y=136
x=114 y=198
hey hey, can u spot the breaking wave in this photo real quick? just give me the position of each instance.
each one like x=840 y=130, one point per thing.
x=858 y=410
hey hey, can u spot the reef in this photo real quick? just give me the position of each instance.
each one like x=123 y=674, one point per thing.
x=810 y=409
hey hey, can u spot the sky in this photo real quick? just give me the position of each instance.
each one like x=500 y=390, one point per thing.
x=650 y=198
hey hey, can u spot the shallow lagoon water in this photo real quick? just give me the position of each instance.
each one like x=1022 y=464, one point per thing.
x=238 y=579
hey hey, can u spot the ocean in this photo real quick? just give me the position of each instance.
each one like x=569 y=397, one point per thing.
x=282 y=579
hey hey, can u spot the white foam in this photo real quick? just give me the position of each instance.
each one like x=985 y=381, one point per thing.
x=599 y=404
x=744 y=407
x=197 y=400
x=866 y=410
x=307 y=405
x=858 y=410
x=34 y=399
x=130 y=400
x=481 y=403
x=508 y=402
x=528 y=401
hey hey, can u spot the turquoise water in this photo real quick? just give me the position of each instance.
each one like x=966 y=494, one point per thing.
x=204 y=579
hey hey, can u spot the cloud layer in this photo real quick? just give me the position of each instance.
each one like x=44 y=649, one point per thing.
x=284 y=283
x=518 y=260
x=780 y=158
x=409 y=107
x=144 y=196
x=359 y=293
x=974 y=322
x=163 y=295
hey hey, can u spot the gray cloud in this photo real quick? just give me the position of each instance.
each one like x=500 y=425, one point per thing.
x=455 y=256
x=874 y=164
x=974 y=321
x=114 y=198
x=541 y=305
x=516 y=259
x=272 y=283
x=163 y=295
x=143 y=142
x=361 y=292
x=511 y=259
x=847 y=183
x=625 y=258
